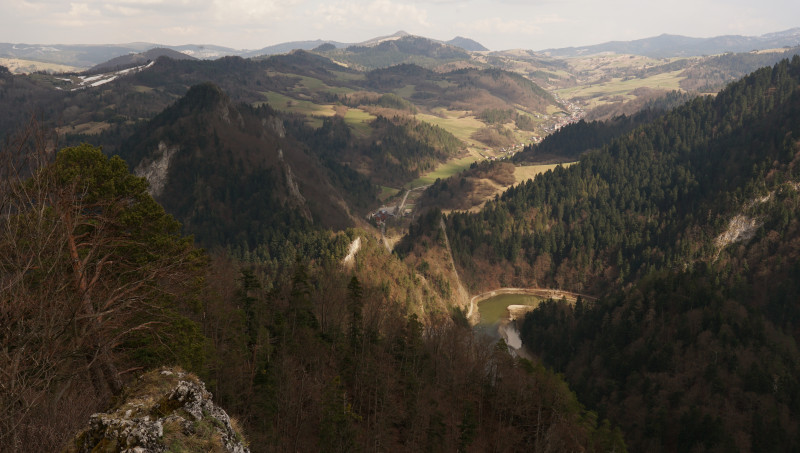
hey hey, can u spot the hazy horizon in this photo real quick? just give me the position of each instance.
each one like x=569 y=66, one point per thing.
x=498 y=25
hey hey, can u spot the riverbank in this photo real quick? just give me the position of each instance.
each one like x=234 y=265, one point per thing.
x=545 y=293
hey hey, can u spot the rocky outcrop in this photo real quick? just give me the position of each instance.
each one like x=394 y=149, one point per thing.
x=165 y=410
x=741 y=228
x=157 y=169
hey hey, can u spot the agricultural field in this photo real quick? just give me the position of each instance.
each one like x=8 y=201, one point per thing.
x=406 y=91
x=596 y=94
x=527 y=172
x=281 y=102
x=387 y=192
x=458 y=123
x=311 y=84
x=19 y=66
x=359 y=120
x=90 y=128
x=444 y=171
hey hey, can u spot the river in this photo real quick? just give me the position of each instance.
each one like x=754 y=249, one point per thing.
x=497 y=321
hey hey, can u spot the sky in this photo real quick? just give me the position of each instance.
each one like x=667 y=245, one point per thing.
x=497 y=24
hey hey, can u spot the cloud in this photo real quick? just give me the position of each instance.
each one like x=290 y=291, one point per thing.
x=498 y=25
x=376 y=13
x=181 y=31
x=79 y=15
x=254 y=11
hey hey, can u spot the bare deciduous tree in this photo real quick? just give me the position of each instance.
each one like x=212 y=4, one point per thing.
x=87 y=258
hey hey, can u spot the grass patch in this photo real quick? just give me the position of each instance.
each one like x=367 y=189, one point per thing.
x=530 y=171
x=90 y=128
x=317 y=85
x=443 y=171
x=348 y=76
x=21 y=66
x=622 y=87
x=387 y=192
x=281 y=102
x=311 y=84
x=359 y=121
x=406 y=91
x=314 y=121
x=459 y=124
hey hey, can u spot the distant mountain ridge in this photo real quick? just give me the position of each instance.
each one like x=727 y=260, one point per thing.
x=216 y=165
x=667 y=45
x=467 y=44
x=135 y=59
x=89 y=56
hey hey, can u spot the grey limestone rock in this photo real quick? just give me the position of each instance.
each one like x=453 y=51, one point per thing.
x=166 y=409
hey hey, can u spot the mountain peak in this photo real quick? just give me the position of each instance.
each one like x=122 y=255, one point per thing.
x=203 y=95
x=467 y=44
x=380 y=39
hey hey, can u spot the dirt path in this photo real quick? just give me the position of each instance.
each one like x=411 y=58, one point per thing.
x=398 y=211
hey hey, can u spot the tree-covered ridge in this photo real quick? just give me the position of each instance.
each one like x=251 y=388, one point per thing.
x=236 y=176
x=698 y=351
x=402 y=149
x=651 y=199
x=316 y=358
x=407 y=49
x=682 y=362
x=572 y=140
x=719 y=70
x=704 y=358
x=99 y=285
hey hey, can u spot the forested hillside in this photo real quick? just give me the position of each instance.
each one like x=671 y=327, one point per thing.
x=693 y=346
x=232 y=176
x=680 y=222
x=651 y=199
x=308 y=350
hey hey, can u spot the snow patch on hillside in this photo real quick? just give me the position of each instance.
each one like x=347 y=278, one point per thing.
x=83 y=82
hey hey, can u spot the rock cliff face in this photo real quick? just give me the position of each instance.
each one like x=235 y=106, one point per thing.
x=157 y=169
x=166 y=410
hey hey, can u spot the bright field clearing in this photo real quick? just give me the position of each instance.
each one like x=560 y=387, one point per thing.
x=620 y=87
x=348 y=76
x=359 y=120
x=443 y=171
x=20 y=66
x=387 y=192
x=311 y=84
x=606 y=62
x=285 y=103
x=530 y=171
x=457 y=123
x=317 y=85
x=90 y=128
x=406 y=91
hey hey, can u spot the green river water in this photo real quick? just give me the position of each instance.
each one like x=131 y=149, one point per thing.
x=494 y=309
